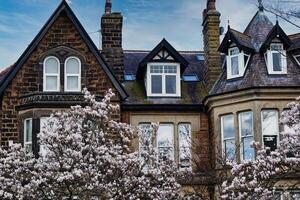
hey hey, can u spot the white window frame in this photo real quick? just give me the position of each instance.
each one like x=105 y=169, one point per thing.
x=269 y=59
x=241 y=63
x=295 y=57
x=163 y=74
x=277 y=126
x=51 y=74
x=189 y=147
x=72 y=75
x=240 y=134
x=224 y=151
x=25 y=133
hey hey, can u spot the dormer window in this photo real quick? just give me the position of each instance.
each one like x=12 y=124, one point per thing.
x=163 y=79
x=276 y=59
x=236 y=62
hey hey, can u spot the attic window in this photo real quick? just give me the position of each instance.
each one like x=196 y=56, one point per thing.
x=163 y=79
x=297 y=58
x=236 y=62
x=129 y=77
x=276 y=59
x=190 y=78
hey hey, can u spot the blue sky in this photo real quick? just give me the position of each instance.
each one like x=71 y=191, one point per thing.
x=146 y=22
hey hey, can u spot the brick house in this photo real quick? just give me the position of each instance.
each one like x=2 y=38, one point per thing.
x=215 y=96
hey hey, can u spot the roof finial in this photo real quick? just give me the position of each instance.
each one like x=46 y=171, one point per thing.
x=108 y=7
x=260 y=5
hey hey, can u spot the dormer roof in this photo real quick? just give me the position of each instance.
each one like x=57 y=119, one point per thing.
x=241 y=40
x=163 y=52
x=276 y=32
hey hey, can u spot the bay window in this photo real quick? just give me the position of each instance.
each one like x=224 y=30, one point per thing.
x=246 y=135
x=72 y=74
x=184 y=136
x=163 y=79
x=228 y=136
x=270 y=128
x=276 y=59
x=236 y=62
x=51 y=74
x=27 y=135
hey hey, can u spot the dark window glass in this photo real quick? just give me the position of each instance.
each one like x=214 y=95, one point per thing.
x=277 y=62
x=170 y=84
x=156 y=86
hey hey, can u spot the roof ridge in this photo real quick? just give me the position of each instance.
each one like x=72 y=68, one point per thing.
x=147 y=51
x=240 y=32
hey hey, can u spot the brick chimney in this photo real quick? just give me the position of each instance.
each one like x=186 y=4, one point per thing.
x=211 y=42
x=111 y=30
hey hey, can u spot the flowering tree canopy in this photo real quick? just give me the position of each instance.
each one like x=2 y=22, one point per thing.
x=86 y=154
x=257 y=179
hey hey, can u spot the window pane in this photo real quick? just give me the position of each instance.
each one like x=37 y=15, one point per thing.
x=246 y=149
x=234 y=51
x=277 y=66
x=51 y=66
x=270 y=122
x=43 y=121
x=229 y=148
x=156 y=86
x=246 y=132
x=165 y=141
x=51 y=82
x=184 y=145
x=156 y=69
x=28 y=131
x=170 y=69
x=72 y=66
x=72 y=83
x=146 y=134
x=170 y=84
x=246 y=123
x=276 y=47
x=235 y=65
x=228 y=126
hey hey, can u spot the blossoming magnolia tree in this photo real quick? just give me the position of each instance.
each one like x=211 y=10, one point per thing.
x=86 y=154
x=257 y=179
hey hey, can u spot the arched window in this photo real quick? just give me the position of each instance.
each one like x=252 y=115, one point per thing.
x=72 y=74
x=51 y=74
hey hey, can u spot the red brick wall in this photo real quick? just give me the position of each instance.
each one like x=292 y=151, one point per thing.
x=29 y=77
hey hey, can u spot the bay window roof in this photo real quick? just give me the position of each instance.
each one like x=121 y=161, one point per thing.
x=272 y=62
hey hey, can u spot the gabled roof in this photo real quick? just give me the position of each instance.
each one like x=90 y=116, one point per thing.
x=63 y=7
x=242 y=41
x=163 y=45
x=276 y=32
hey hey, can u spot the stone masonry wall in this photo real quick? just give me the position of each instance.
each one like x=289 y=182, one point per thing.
x=29 y=77
x=211 y=41
x=111 y=29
